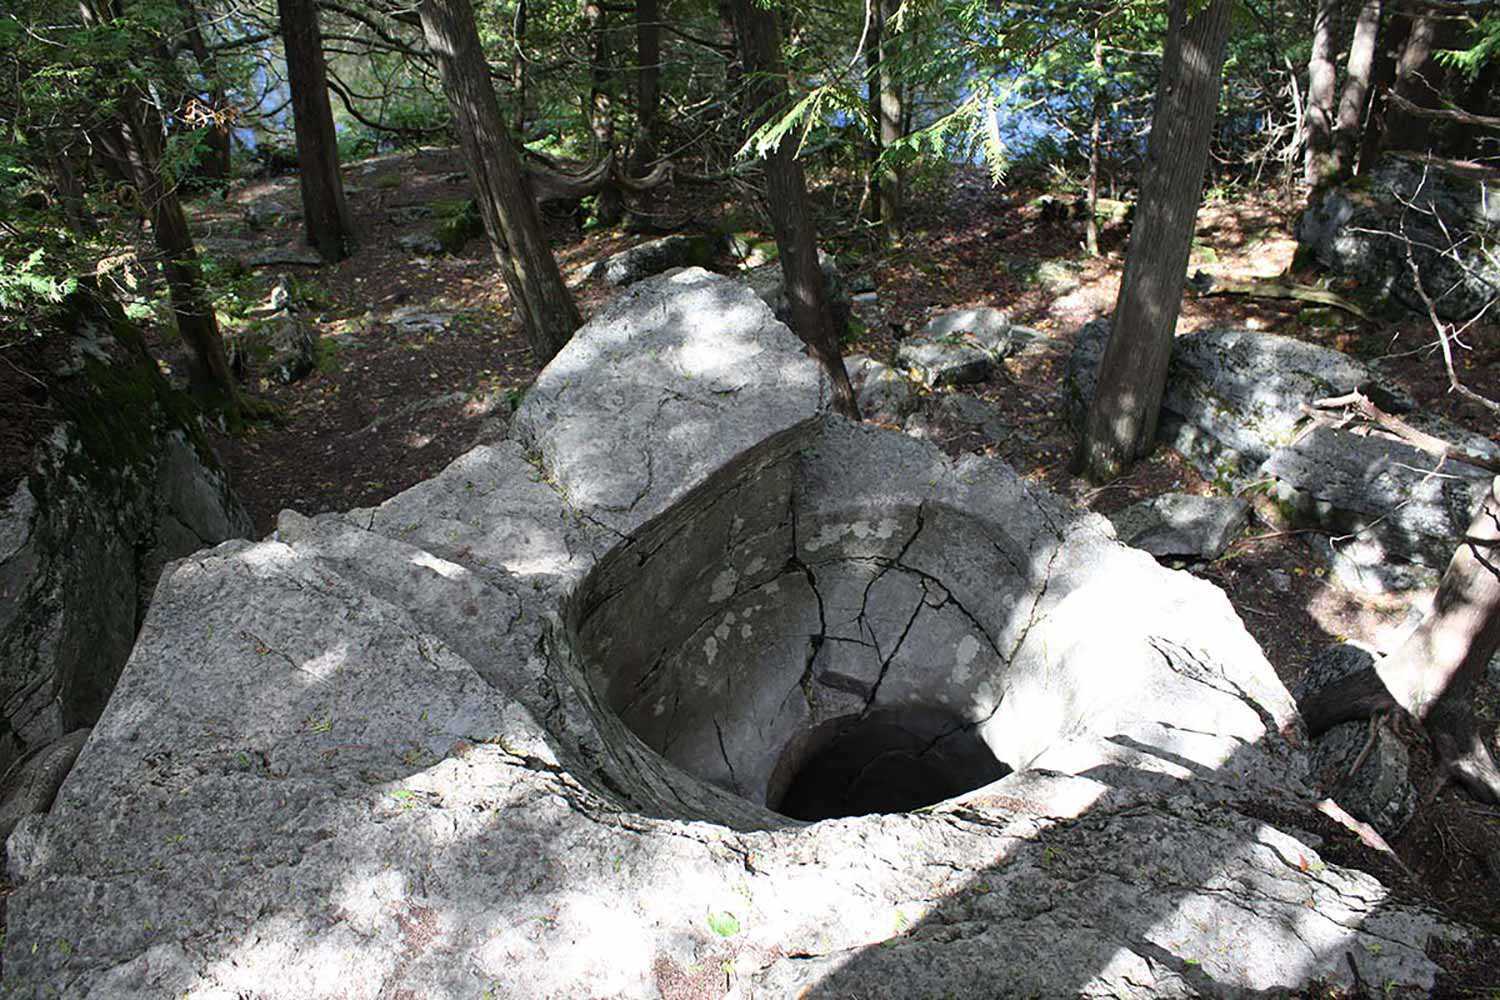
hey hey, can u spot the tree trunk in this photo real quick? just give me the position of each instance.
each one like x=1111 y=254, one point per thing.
x=1122 y=418
x=1322 y=78
x=796 y=240
x=1419 y=79
x=518 y=72
x=324 y=210
x=1356 y=93
x=1096 y=117
x=135 y=147
x=647 y=91
x=1434 y=673
x=218 y=164
x=873 y=145
x=510 y=215
x=893 y=186
x=609 y=204
x=1387 y=49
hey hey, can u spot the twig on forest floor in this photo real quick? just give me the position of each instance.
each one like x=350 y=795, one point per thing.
x=1367 y=834
x=1364 y=754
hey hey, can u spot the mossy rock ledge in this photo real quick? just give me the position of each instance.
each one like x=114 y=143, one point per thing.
x=688 y=674
x=124 y=484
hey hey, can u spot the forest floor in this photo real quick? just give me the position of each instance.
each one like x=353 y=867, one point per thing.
x=424 y=357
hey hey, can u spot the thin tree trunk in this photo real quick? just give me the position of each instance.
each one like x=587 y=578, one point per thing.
x=1132 y=375
x=135 y=146
x=1096 y=116
x=1434 y=673
x=1419 y=78
x=1387 y=50
x=218 y=165
x=518 y=72
x=893 y=186
x=609 y=204
x=1356 y=92
x=324 y=210
x=647 y=92
x=1322 y=79
x=510 y=215
x=873 y=145
x=796 y=240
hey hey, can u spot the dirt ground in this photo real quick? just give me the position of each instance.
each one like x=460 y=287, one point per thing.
x=391 y=404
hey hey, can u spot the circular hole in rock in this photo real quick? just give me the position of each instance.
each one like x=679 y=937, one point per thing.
x=885 y=762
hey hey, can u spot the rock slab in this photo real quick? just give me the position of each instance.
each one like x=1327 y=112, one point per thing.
x=410 y=751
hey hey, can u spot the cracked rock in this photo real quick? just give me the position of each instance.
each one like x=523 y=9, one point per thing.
x=551 y=723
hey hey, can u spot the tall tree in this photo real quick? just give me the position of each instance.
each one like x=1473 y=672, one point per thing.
x=1419 y=80
x=510 y=215
x=1096 y=120
x=133 y=140
x=1356 y=91
x=1322 y=79
x=217 y=164
x=1122 y=418
x=324 y=210
x=647 y=91
x=1387 y=50
x=759 y=34
x=893 y=185
x=609 y=203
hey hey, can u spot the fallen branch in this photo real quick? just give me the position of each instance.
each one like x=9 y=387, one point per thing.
x=1443 y=114
x=1356 y=405
x=1204 y=284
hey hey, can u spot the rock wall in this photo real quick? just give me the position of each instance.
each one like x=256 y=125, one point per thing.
x=125 y=484
x=415 y=750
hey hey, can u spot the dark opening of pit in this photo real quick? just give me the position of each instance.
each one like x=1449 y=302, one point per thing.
x=886 y=762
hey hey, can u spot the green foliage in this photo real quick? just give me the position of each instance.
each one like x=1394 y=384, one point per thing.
x=1468 y=62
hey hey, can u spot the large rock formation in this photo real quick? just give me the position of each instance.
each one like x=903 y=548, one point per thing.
x=124 y=484
x=1236 y=406
x=1447 y=214
x=545 y=725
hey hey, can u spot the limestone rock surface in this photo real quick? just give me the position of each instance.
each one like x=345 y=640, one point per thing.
x=525 y=730
x=1183 y=525
x=1234 y=406
x=653 y=257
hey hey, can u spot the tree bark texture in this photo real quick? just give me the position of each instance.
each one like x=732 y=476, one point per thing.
x=1433 y=674
x=893 y=185
x=1356 y=93
x=873 y=145
x=1096 y=117
x=510 y=215
x=1322 y=80
x=1419 y=79
x=325 y=212
x=1121 y=423
x=518 y=72
x=647 y=91
x=759 y=34
x=1387 y=50
x=609 y=203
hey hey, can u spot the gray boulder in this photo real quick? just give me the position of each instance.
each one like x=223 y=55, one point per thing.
x=263 y=213
x=285 y=256
x=956 y=422
x=283 y=346
x=550 y=724
x=653 y=257
x=125 y=483
x=1234 y=406
x=1361 y=229
x=1182 y=525
x=420 y=243
x=884 y=394
x=961 y=347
